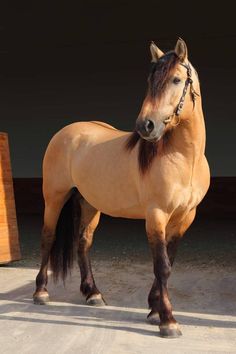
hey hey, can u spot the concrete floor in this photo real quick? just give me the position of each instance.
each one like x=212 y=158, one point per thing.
x=202 y=288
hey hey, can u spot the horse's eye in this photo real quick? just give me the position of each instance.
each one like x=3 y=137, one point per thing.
x=176 y=80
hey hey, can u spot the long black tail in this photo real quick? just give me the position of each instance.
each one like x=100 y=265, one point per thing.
x=62 y=251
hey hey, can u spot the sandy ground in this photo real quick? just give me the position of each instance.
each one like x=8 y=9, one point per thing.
x=202 y=288
x=204 y=303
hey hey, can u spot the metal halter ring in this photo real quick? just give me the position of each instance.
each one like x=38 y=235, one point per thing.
x=177 y=123
x=170 y=120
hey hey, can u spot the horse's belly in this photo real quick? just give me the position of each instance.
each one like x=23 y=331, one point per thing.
x=110 y=203
x=111 y=198
x=134 y=212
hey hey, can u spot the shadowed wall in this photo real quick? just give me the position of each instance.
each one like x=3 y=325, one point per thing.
x=61 y=64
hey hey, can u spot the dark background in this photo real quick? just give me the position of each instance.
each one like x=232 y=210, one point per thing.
x=88 y=60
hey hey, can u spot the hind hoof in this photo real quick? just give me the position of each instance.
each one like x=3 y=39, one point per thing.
x=41 y=298
x=96 y=300
x=153 y=318
x=170 y=331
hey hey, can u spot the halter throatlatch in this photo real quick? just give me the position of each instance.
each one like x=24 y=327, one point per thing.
x=193 y=94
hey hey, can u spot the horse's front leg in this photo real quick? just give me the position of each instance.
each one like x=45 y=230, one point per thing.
x=158 y=297
x=154 y=295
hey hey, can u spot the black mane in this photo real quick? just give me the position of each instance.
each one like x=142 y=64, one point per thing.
x=146 y=153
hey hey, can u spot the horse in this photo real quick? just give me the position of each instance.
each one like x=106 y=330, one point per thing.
x=158 y=173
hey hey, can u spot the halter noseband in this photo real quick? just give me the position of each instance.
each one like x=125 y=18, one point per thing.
x=193 y=94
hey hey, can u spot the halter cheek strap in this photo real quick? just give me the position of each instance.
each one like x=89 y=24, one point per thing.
x=180 y=105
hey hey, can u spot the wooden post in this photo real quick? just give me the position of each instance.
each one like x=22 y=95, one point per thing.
x=9 y=238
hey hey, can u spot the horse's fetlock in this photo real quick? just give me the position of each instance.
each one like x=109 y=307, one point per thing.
x=88 y=287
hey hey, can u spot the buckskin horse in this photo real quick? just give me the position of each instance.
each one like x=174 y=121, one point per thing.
x=158 y=172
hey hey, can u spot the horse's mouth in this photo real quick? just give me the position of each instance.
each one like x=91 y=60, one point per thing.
x=153 y=140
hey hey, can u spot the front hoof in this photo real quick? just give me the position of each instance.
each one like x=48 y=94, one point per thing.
x=170 y=331
x=153 y=318
x=95 y=300
x=41 y=298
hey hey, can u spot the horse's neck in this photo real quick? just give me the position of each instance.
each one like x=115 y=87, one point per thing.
x=189 y=137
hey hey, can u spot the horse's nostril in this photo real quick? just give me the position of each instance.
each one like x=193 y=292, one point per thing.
x=145 y=127
x=149 y=126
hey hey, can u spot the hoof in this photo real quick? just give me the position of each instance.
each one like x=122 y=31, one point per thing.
x=153 y=318
x=170 y=331
x=41 y=298
x=95 y=300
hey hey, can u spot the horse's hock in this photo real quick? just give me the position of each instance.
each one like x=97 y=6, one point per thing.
x=9 y=240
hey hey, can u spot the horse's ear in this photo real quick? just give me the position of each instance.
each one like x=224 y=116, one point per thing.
x=181 y=50
x=155 y=52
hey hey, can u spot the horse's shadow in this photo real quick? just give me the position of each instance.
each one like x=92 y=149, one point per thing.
x=19 y=306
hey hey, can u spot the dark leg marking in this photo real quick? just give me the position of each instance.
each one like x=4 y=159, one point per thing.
x=161 y=303
x=41 y=296
x=88 y=223
x=172 y=248
x=154 y=295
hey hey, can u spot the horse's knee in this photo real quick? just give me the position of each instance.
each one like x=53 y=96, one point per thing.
x=162 y=265
x=163 y=271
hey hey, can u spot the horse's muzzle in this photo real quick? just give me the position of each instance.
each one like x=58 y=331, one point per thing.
x=150 y=130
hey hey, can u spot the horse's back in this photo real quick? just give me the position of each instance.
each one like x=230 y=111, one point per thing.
x=66 y=139
x=75 y=131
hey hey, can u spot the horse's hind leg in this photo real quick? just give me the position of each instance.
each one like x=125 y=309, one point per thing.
x=86 y=226
x=53 y=206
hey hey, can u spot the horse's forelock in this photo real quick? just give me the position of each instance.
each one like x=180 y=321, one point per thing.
x=158 y=78
x=160 y=73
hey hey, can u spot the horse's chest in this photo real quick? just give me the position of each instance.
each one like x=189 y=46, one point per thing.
x=187 y=191
x=187 y=198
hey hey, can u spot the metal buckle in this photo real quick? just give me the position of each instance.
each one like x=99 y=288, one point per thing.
x=178 y=121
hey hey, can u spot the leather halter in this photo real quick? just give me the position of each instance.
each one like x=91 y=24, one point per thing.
x=193 y=94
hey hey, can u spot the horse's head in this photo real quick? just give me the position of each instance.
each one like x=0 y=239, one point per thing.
x=170 y=92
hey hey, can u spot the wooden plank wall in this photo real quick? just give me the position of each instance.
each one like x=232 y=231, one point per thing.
x=9 y=238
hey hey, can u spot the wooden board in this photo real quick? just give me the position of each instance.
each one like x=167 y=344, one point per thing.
x=9 y=237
